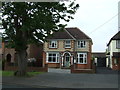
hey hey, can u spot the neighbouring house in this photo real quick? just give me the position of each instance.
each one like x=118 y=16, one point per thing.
x=113 y=52
x=67 y=47
x=99 y=59
x=34 y=52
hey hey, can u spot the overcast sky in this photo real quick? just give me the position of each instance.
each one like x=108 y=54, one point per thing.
x=98 y=19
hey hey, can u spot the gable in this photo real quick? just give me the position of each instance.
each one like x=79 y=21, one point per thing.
x=115 y=37
x=77 y=33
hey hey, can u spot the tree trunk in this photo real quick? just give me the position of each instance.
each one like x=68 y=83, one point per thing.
x=22 y=62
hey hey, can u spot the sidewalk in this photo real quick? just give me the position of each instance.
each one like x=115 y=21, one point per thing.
x=64 y=80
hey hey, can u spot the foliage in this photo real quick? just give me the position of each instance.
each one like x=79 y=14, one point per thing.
x=31 y=22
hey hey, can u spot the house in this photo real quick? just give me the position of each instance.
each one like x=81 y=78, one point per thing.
x=113 y=52
x=99 y=59
x=33 y=51
x=67 y=47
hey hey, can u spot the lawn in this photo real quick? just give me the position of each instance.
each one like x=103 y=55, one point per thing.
x=11 y=73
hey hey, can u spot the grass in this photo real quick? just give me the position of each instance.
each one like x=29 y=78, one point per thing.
x=11 y=73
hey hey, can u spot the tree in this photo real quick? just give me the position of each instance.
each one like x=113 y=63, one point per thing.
x=30 y=22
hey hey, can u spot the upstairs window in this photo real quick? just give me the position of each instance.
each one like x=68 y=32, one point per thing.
x=67 y=44
x=81 y=44
x=117 y=43
x=53 y=44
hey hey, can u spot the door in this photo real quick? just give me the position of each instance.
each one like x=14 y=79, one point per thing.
x=67 y=60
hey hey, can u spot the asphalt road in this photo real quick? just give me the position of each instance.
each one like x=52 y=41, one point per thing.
x=65 y=80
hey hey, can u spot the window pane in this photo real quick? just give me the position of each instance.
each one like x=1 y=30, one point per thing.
x=67 y=42
x=81 y=60
x=50 y=54
x=85 y=60
x=50 y=59
x=54 y=55
x=54 y=59
x=81 y=55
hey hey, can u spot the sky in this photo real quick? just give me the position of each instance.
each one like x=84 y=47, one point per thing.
x=98 y=19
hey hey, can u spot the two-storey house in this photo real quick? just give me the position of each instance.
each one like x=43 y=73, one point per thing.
x=113 y=52
x=67 y=47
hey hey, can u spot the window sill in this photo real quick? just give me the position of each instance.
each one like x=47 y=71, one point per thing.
x=67 y=47
x=52 y=48
x=81 y=63
x=53 y=62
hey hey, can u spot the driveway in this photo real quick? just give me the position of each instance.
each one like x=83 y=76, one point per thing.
x=105 y=70
x=58 y=70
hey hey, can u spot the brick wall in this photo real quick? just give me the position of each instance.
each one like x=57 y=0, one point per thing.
x=55 y=65
x=116 y=66
x=76 y=70
x=38 y=69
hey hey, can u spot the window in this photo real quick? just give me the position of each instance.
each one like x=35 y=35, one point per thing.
x=81 y=44
x=82 y=58
x=53 y=44
x=117 y=43
x=67 y=44
x=116 y=61
x=53 y=57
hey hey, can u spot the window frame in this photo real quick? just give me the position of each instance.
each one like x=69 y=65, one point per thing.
x=57 y=57
x=67 y=43
x=80 y=42
x=84 y=58
x=118 y=44
x=55 y=44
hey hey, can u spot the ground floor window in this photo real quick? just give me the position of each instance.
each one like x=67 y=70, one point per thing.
x=116 y=61
x=82 y=58
x=53 y=57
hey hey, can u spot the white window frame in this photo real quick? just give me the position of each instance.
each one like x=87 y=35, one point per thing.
x=67 y=45
x=118 y=44
x=57 y=57
x=53 y=42
x=81 y=42
x=84 y=58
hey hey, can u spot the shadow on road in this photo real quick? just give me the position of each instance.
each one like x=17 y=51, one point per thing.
x=105 y=70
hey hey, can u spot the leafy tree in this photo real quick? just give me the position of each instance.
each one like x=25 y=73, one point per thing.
x=30 y=22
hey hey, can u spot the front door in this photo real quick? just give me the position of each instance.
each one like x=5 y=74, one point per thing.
x=67 y=60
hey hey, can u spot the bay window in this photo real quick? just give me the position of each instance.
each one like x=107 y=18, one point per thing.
x=82 y=58
x=53 y=57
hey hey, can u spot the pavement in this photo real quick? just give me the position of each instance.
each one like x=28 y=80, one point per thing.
x=55 y=79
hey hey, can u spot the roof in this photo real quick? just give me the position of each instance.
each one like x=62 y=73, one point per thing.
x=77 y=33
x=98 y=54
x=115 y=37
x=69 y=33
x=60 y=35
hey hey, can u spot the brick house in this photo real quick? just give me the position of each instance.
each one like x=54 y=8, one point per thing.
x=67 y=47
x=33 y=51
x=113 y=52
